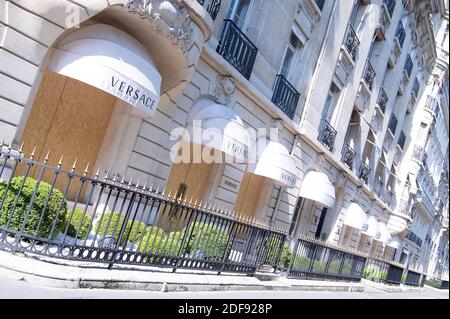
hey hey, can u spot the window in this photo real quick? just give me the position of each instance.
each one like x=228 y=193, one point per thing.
x=330 y=103
x=291 y=56
x=238 y=12
x=321 y=222
x=295 y=218
x=355 y=10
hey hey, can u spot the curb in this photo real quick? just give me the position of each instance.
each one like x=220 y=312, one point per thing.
x=390 y=289
x=53 y=275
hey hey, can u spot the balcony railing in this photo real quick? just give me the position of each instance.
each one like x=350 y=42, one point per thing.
x=400 y=34
x=416 y=87
x=237 y=49
x=382 y=100
x=327 y=135
x=351 y=42
x=285 y=96
x=364 y=172
x=414 y=238
x=430 y=103
x=393 y=122
x=408 y=65
x=369 y=75
x=379 y=187
x=320 y=4
x=389 y=198
x=405 y=207
x=419 y=154
x=390 y=5
x=213 y=7
x=402 y=140
x=348 y=156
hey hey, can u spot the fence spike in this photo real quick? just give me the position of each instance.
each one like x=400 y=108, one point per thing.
x=130 y=183
x=209 y=206
x=20 y=148
x=97 y=173
x=33 y=153
x=145 y=185
x=46 y=156
x=138 y=182
x=170 y=193
x=86 y=170
x=3 y=142
x=122 y=180
x=60 y=161
x=74 y=164
x=195 y=203
x=10 y=146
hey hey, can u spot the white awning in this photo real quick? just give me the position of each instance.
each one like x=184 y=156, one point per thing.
x=218 y=127
x=274 y=161
x=355 y=217
x=385 y=233
x=317 y=187
x=112 y=61
x=373 y=229
x=395 y=243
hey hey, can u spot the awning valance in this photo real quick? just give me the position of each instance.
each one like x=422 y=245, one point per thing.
x=274 y=161
x=373 y=230
x=112 y=61
x=317 y=187
x=355 y=217
x=218 y=127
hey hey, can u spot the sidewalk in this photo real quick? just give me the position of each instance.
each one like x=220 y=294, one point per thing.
x=49 y=274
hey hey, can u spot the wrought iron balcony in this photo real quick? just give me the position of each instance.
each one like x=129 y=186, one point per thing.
x=419 y=154
x=390 y=5
x=408 y=65
x=213 y=7
x=351 y=42
x=405 y=208
x=430 y=104
x=369 y=75
x=320 y=4
x=393 y=122
x=416 y=87
x=237 y=49
x=402 y=140
x=389 y=198
x=364 y=172
x=285 y=96
x=400 y=34
x=382 y=100
x=327 y=134
x=348 y=156
x=378 y=189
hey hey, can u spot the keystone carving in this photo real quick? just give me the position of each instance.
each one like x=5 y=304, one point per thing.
x=170 y=18
x=224 y=90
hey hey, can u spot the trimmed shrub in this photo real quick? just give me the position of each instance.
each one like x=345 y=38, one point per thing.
x=34 y=216
x=272 y=249
x=301 y=263
x=111 y=225
x=79 y=221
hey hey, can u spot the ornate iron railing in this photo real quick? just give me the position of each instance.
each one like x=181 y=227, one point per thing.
x=348 y=156
x=364 y=172
x=237 y=49
x=320 y=4
x=327 y=134
x=418 y=153
x=383 y=271
x=416 y=87
x=393 y=122
x=369 y=74
x=405 y=207
x=213 y=7
x=402 y=140
x=378 y=189
x=312 y=260
x=389 y=198
x=351 y=42
x=285 y=96
x=408 y=65
x=430 y=103
x=400 y=34
x=390 y=5
x=382 y=100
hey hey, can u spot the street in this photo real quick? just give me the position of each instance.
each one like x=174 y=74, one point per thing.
x=18 y=289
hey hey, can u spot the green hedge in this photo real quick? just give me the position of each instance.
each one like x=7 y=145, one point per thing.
x=112 y=224
x=434 y=283
x=273 y=247
x=39 y=202
x=78 y=218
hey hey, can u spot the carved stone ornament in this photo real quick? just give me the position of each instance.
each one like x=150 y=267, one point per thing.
x=320 y=162
x=224 y=89
x=170 y=17
x=341 y=180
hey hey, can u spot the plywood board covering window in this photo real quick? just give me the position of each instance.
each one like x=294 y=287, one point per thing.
x=68 y=118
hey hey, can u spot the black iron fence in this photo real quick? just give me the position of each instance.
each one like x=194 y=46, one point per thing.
x=413 y=279
x=212 y=6
x=315 y=260
x=351 y=42
x=237 y=48
x=327 y=134
x=383 y=271
x=285 y=96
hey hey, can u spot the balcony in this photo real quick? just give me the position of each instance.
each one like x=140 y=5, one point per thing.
x=351 y=42
x=419 y=154
x=414 y=238
x=389 y=198
x=382 y=100
x=400 y=34
x=369 y=75
x=364 y=172
x=285 y=96
x=401 y=140
x=348 y=156
x=327 y=135
x=392 y=126
x=320 y=4
x=404 y=208
x=378 y=188
x=408 y=66
x=416 y=87
x=237 y=49
x=212 y=6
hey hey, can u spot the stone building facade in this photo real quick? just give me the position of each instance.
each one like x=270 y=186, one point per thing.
x=344 y=85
